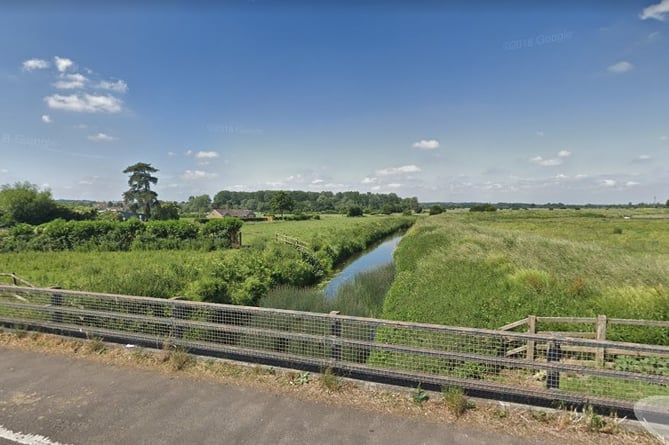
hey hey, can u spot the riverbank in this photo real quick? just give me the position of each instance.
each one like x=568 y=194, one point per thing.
x=238 y=276
x=487 y=270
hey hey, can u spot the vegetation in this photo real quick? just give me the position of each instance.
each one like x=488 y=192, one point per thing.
x=24 y=203
x=281 y=202
x=140 y=197
x=108 y=235
x=488 y=269
x=240 y=276
x=363 y=296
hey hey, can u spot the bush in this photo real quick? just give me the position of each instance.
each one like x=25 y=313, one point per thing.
x=483 y=208
x=354 y=211
x=436 y=210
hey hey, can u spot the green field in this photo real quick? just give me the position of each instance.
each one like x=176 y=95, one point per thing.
x=240 y=276
x=490 y=269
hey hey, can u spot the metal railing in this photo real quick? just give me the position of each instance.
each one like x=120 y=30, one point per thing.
x=383 y=350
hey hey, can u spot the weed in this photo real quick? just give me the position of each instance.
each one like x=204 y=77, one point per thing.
x=20 y=331
x=95 y=345
x=455 y=400
x=302 y=379
x=180 y=359
x=330 y=381
x=419 y=396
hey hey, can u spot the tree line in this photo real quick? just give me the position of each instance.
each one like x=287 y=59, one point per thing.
x=299 y=201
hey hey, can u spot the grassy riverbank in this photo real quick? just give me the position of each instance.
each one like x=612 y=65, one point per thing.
x=486 y=270
x=240 y=276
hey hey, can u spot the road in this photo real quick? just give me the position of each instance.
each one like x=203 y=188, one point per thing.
x=68 y=401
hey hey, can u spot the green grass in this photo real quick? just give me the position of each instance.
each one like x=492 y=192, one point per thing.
x=240 y=276
x=489 y=269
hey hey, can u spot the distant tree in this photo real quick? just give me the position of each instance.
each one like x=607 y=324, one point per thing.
x=140 y=197
x=166 y=210
x=667 y=203
x=23 y=202
x=198 y=204
x=281 y=201
x=436 y=210
x=486 y=208
x=354 y=211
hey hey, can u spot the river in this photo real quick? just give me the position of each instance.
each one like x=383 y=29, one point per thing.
x=377 y=256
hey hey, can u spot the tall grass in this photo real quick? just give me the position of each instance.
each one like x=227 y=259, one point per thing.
x=363 y=296
x=489 y=270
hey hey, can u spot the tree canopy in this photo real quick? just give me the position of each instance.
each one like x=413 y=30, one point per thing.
x=23 y=202
x=282 y=201
x=140 y=198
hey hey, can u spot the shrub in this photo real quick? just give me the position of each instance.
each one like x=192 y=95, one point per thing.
x=354 y=211
x=436 y=210
x=483 y=208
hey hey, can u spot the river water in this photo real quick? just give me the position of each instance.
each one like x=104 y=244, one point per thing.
x=377 y=256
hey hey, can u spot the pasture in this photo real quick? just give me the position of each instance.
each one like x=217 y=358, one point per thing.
x=490 y=269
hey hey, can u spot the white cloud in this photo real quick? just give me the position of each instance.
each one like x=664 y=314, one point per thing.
x=551 y=162
x=394 y=185
x=620 y=67
x=664 y=138
x=645 y=158
x=62 y=64
x=317 y=181
x=398 y=170
x=71 y=81
x=205 y=154
x=656 y=11
x=368 y=180
x=101 y=137
x=540 y=133
x=545 y=162
x=194 y=175
x=119 y=86
x=46 y=119
x=171 y=154
x=35 y=64
x=608 y=182
x=4 y=170
x=631 y=184
x=424 y=144
x=87 y=103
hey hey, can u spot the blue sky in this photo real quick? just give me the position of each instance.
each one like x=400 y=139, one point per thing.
x=450 y=101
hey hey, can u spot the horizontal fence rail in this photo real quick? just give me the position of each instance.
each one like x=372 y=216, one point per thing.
x=482 y=361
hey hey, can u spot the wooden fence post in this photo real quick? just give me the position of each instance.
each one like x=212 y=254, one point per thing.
x=335 y=331
x=57 y=300
x=531 y=329
x=600 y=353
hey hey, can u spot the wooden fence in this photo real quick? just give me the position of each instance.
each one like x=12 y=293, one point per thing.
x=599 y=324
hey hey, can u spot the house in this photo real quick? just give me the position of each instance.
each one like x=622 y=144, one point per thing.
x=235 y=213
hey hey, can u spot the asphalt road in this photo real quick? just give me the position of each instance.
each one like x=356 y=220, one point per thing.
x=70 y=401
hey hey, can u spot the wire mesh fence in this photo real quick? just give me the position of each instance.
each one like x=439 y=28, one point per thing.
x=497 y=362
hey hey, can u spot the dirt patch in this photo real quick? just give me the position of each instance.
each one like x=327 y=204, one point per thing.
x=582 y=427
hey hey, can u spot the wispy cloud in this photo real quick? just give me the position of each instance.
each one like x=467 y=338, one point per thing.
x=71 y=82
x=426 y=144
x=101 y=137
x=84 y=103
x=119 y=86
x=398 y=170
x=551 y=162
x=656 y=11
x=369 y=180
x=620 y=67
x=540 y=133
x=62 y=63
x=35 y=64
x=46 y=119
x=194 y=175
x=206 y=155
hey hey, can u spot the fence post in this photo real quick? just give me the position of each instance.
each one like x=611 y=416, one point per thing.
x=531 y=329
x=601 y=335
x=178 y=313
x=57 y=300
x=553 y=355
x=335 y=332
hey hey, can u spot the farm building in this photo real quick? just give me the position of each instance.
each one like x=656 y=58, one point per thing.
x=235 y=213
